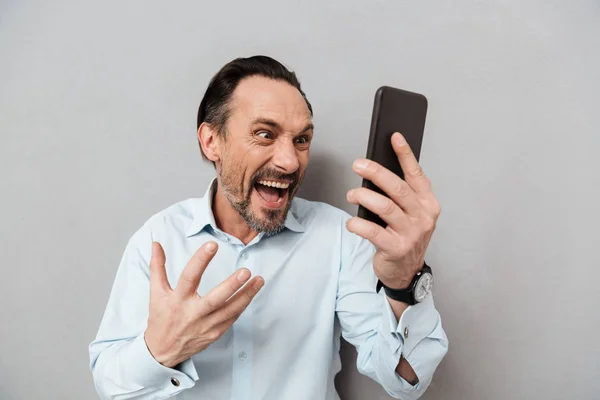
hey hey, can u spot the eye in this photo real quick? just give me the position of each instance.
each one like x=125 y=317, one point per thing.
x=265 y=135
x=303 y=140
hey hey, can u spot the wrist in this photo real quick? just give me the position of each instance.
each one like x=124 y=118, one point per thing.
x=398 y=307
x=396 y=284
x=160 y=356
x=402 y=284
x=401 y=279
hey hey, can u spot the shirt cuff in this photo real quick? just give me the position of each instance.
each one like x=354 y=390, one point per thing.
x=416 y=323
x=150 y=373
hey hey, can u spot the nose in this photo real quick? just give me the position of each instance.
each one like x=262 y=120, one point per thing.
x=286 y=157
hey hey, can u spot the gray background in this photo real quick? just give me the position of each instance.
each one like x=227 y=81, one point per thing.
x=97 y=125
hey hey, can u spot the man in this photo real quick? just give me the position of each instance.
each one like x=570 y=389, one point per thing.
x=186 y=319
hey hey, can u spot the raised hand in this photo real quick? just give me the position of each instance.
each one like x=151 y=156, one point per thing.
x=411 y=212
x=180 y=322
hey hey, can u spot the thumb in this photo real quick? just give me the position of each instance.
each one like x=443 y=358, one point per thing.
x=158 y=274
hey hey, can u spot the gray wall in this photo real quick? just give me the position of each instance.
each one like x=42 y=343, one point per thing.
x=97 y=114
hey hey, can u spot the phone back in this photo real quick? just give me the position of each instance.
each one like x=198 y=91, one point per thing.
x=395 y=110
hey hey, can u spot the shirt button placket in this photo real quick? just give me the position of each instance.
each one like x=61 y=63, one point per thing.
x=242 y=345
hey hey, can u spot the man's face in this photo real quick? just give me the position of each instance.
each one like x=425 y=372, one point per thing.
x=265 y=152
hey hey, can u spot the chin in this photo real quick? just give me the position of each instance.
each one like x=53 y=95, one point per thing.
x=272 y=220
x=267 y=220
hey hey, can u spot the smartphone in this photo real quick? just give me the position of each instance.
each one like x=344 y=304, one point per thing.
x=394 y=110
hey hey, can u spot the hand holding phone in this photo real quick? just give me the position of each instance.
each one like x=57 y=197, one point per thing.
x=394 y=110
x=398 y=210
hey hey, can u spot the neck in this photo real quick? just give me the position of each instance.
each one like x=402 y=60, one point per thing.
x=228 y=220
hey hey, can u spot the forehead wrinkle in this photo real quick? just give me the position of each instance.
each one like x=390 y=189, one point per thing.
x=289 y=122
x=258 y=97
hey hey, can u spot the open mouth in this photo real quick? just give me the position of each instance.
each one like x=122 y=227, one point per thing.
x=273 y=194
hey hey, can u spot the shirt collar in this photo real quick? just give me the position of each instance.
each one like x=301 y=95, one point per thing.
x=203 y=215
x=291 y=222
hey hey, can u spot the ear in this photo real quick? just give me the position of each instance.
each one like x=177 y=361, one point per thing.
x=209 y=141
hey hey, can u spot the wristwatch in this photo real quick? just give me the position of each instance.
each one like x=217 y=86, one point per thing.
x=416 y=292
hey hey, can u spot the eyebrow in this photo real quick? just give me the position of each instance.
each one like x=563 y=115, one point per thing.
x=275 y=125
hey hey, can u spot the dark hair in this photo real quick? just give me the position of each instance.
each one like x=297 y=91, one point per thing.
x=215 y=105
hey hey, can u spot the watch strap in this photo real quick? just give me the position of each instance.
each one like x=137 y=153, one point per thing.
x=406 y=295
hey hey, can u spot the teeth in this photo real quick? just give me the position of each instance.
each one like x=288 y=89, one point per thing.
x=278 y=185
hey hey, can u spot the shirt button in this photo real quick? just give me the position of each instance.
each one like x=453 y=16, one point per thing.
x=243 y=355
x=406 y=333
x=174 y=382
x=245 y=256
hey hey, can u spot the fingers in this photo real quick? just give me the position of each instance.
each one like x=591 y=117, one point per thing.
x=234 y=307
x=413 y=173
x=387 y=209
x=397 y=189
x=374 y=233
x=217 y=297
x=158 y=274
x=192 y=273
x=222 y=327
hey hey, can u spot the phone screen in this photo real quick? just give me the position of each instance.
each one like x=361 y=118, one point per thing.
x=394 y=110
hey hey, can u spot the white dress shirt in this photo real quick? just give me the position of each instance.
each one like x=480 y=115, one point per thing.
x=319 y=284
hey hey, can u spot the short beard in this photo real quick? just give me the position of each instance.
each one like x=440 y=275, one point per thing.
x=240 y=199
x=272 y=226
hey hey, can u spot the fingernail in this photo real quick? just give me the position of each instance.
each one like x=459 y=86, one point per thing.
x=243 y=275
x=350 y=195
x=259 y=283
x=400 y=141
x=211 y=247
x=359 y=165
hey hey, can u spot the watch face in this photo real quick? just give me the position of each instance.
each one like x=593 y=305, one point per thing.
x=423 y=287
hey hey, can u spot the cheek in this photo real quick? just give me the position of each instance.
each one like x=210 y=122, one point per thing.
x=233 y=169
x=256 y=159
x=303 y=159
